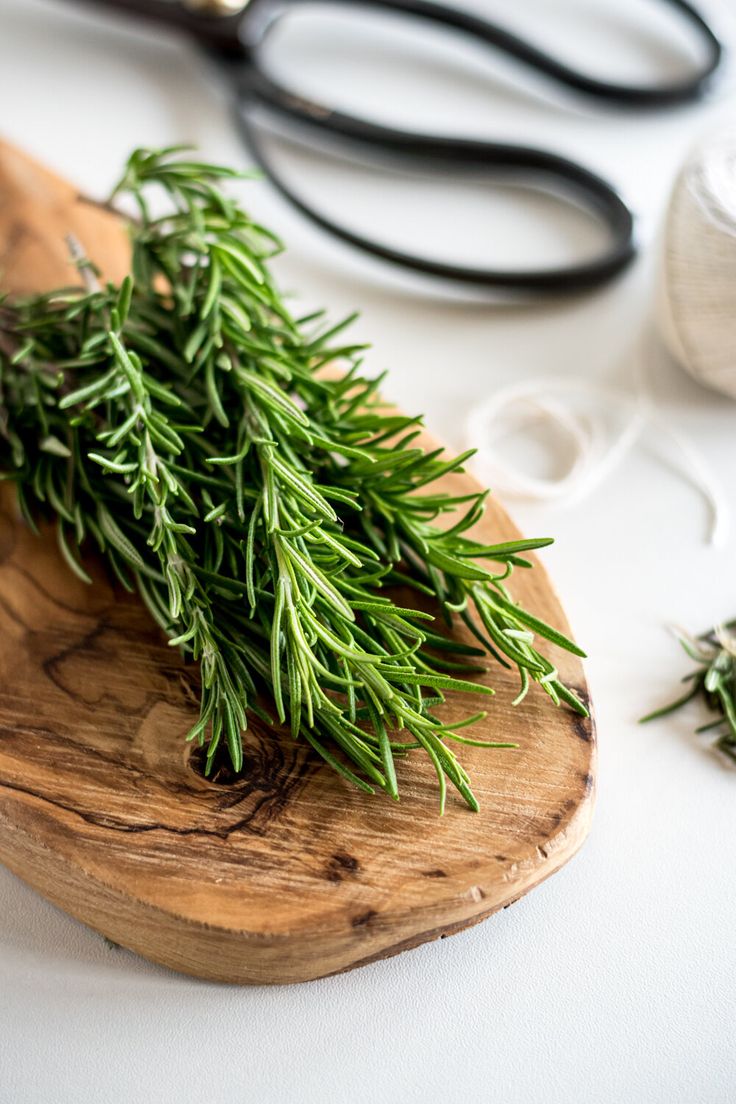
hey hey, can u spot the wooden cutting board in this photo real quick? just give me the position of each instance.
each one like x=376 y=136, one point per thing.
x=288 y=874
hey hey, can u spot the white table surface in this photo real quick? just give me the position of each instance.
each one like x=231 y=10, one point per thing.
x=615 y=980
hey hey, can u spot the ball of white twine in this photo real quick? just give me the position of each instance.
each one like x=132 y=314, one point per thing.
x=697 y=300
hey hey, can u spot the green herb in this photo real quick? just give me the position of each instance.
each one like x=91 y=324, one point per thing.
x=714 y=682
x=262 y=507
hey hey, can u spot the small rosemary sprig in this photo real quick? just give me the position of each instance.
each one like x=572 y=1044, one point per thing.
x=713 y=681
x=262 y=507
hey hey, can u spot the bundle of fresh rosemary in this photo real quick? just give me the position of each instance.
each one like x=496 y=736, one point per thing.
x=261 y=507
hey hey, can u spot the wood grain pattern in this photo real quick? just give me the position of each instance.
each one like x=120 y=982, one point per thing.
x=289 y=873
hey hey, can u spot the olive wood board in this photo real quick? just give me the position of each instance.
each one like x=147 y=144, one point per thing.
x=288 y=873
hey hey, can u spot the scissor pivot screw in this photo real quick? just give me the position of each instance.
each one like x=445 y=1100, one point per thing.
x=216 y=7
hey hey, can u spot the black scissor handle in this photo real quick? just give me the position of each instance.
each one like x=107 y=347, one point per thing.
x=464 y=156
x=260 y=16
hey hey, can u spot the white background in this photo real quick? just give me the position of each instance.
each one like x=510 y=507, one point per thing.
x=614 y=981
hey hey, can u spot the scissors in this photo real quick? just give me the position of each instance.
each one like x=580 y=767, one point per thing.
x=233 y=33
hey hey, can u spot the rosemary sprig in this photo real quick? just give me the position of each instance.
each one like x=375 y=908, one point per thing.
x=713 y=681
x=263 y=508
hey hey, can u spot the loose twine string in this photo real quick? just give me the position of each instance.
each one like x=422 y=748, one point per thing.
x=582 y=413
